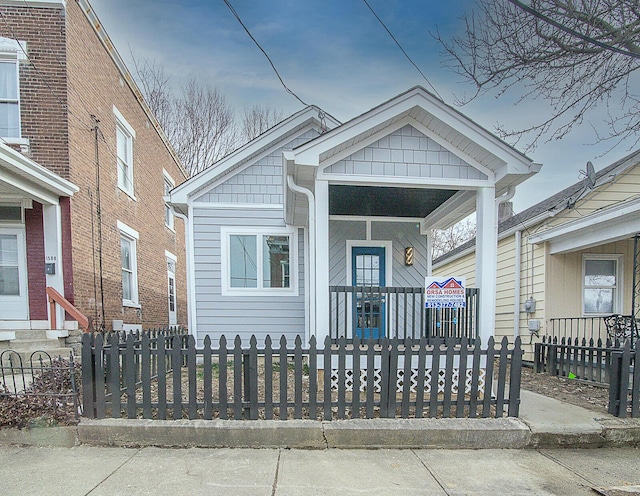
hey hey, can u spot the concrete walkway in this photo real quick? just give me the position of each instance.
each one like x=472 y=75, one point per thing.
x=86 y=470
x=543 y=423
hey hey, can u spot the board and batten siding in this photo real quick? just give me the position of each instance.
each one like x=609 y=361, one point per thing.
x=241 y=315
x=406 y=152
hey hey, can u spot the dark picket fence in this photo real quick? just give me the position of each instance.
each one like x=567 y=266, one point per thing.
x=610 y=363
x=165 y=376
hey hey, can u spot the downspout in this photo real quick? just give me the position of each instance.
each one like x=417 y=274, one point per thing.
x=312 y=251
x=191 y=320
x=516 y=283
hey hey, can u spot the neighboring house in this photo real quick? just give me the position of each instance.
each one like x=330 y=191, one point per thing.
x=84 y=168
x=568 y=261
x=282 y=230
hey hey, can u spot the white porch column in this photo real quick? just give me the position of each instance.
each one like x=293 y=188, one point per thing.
x=322 y=261
x=486 y=260
x=52 y=224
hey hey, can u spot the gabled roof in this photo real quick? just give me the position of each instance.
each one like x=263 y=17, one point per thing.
x=553 y=204
x=502 y=164
x=245 y=154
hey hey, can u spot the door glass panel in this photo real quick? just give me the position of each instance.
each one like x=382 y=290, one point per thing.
x=9 y=273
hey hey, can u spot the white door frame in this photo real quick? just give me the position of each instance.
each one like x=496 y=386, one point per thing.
x=17 y=307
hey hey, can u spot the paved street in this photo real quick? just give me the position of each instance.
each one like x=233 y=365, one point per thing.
x=88 y=470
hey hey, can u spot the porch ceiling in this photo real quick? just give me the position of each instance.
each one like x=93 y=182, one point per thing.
x=385 y=201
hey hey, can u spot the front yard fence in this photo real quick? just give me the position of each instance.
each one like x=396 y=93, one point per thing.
x=165 y=376
x=610 y=363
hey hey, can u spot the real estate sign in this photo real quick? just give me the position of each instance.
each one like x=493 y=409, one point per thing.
x=444 y=292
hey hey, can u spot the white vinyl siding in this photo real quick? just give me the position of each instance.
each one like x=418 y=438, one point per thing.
x=275 y=311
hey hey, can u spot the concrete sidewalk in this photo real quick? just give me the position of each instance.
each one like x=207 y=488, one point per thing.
x=543 y=423
x=86 y=470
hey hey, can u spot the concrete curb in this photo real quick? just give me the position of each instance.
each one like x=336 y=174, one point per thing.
x=501 y=433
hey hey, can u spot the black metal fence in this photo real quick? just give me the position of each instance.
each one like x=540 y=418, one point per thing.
x=49 y=384
x=610 y=363
x=166 y=377
x=400 y=312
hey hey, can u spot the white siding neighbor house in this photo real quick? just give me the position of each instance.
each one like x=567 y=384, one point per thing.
x=281 y=231
x=569 y=262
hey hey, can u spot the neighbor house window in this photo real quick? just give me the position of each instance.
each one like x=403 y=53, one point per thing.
x=259 y=261
x=9 y=98
x=601 y=282
x=128 y=258
x=124 y=156
x=168 y=211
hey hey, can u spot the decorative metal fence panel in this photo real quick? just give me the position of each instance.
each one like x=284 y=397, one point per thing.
x=167 y=377
x=48 y=383
x=405 y=315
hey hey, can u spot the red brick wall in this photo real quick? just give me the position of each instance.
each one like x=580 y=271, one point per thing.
x=95 y=86
x=70 y=69
x=35 y=262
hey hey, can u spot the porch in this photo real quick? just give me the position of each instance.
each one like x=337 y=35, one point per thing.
x=398 y=312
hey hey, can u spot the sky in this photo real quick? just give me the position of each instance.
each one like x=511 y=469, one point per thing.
x=336 y=55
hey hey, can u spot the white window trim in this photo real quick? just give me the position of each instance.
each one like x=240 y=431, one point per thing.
x=617 y=301
x=168 y=179
x=126 y=128
x=225 y=256
x=14 y=51
x=132 y=235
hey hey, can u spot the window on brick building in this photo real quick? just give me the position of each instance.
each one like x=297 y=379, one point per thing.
x=11 y=52
x=125 y=136
x=128 y=257
x=169 y=184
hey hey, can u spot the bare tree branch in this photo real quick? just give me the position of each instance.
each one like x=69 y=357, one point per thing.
x=257 y=119
x=506 y=48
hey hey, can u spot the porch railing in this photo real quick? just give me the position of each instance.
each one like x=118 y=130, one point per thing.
x=602 y=328
x=399 y=312
x=56 y=298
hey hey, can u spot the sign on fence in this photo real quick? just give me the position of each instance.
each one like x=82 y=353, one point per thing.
x=444 y=292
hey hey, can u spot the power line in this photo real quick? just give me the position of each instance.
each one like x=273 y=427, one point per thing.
x=233 y=11
x=573 y=32
x=402 y=49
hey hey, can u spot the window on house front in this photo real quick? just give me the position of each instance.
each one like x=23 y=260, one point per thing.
x=125 y=136
x=261 y=261
x=168 y=211
x=601 y=284
x=128 y=258
x=9 y=98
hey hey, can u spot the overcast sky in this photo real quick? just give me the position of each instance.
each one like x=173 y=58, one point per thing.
x=334 y=54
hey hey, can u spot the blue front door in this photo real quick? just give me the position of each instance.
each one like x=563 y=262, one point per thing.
x=368 y=275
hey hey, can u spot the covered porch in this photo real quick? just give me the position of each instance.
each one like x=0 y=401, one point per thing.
x=368 y=194
x=34 y=225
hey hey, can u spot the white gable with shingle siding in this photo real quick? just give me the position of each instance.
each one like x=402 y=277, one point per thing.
x=406 y=152
x=257 y=182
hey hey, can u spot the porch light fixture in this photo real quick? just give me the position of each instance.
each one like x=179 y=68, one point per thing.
x=408 y=255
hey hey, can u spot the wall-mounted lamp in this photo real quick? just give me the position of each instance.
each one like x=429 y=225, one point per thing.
x=408 y=255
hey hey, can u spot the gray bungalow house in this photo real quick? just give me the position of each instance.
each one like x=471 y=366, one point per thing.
x=318 y=228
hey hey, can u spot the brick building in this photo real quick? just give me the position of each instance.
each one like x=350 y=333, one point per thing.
x=84 y=168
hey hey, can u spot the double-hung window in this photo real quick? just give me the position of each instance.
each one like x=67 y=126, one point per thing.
x=11 y=52
x=125 y=136
x=128 y=258
x=601 y=284
x=259 y=261
x=168 y=211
